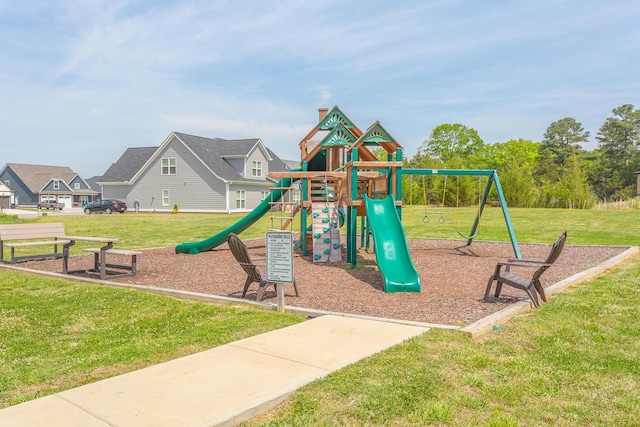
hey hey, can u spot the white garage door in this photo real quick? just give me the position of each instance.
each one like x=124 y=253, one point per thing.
x=66 y=200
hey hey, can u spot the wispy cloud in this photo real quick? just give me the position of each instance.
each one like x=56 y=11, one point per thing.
x=83 y=81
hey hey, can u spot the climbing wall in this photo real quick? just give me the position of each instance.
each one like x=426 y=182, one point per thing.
x=326 y=232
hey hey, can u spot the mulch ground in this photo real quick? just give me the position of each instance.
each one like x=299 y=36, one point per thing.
x=453 y=278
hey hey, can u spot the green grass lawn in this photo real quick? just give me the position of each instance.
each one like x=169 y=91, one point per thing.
x=56 y=334
x=148 y=230
x=585 y=227
x=573 y=362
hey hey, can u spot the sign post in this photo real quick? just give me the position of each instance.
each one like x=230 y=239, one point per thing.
x=280 y=261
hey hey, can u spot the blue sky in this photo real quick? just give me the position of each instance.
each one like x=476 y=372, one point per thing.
x=81 y=81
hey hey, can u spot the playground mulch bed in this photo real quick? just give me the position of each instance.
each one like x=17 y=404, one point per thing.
x=453 y=278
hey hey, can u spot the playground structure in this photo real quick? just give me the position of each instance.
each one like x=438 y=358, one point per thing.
x=342 y=180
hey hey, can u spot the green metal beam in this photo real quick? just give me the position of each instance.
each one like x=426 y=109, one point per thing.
x=476 y=222
x=449 y=172
x=507 y=218
x=493 y=179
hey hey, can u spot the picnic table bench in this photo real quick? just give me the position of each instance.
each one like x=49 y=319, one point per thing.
x=100 y=263
x=23 y=235
x=33 y=235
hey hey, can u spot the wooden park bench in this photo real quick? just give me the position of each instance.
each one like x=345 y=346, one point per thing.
x=15 y=236
x=52 y=234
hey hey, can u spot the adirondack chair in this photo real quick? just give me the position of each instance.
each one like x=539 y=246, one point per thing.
x=503 y=274
x=240 y=253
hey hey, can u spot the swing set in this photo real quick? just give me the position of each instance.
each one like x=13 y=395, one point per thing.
x=440 y=214
x=425 y=218
x=492 y=180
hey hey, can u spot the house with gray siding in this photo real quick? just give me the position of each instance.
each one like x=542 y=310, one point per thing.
x=7 y=196
x=33 y=183
x=195 y=173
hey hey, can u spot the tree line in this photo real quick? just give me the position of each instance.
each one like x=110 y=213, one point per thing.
x=556 y=172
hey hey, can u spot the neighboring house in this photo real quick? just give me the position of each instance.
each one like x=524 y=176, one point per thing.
x=32 y=183
x=195 y=173
x=292 y=164
x=94 y=185
x=7 y=196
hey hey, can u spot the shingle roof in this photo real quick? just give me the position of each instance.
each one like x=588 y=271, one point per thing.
x=276 y=164
x=93 y=183
x=128 y=164
x=36 y=177
x=211 y=151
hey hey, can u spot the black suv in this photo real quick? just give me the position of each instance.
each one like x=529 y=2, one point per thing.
x=106 y=206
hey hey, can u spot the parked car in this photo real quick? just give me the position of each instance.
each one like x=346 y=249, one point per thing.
x=105 y=206
x=50 y=203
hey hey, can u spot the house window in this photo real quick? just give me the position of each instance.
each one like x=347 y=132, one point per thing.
x=241 y=199
x=166 y=200
x=296 y=196
x=56 y=184
x=76 y=185
x=256 y=168
x=263 y=194
x=169 y=166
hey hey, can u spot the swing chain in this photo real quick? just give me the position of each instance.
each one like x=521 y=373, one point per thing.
x=441 y=218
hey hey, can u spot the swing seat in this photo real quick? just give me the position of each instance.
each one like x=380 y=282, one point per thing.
x=473 y=236
x=426 y=219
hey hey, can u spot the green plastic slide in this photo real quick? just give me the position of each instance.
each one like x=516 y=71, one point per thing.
x=240 y=226
x=390 y=243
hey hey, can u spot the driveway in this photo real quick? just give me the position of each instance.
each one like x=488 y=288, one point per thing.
x=33 y=213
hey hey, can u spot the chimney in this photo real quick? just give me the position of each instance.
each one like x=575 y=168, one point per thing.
x=322 y=113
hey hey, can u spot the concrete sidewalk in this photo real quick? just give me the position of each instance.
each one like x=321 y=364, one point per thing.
x=21 y=213
x=30 y=214
x=221 y=386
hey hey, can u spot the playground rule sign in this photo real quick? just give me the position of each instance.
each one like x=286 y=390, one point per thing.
x=279 y=257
